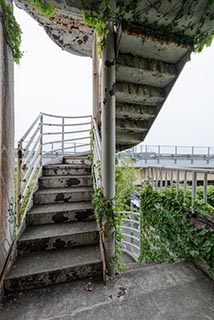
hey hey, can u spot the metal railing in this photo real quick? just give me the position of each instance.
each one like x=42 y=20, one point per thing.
x=97 y=154
x=162 y=178
x=180 y=178
x=48 y=137
x=170 y=155
x=130 y=229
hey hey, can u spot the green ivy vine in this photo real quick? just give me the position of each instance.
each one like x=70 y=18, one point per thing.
x=12 y=31
x=108 y=212
x=170 y=230
x=44 y=7
x=129 y=14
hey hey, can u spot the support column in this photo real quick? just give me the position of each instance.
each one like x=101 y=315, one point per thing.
x=6 y=148
x=95 y=60
x=108 y=137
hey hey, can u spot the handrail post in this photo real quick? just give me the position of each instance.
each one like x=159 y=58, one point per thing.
x=108 y=138
x=63 y=135
x=41 y=140
x=19 y=184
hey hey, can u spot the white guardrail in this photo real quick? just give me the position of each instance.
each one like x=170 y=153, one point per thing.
x=48 y=137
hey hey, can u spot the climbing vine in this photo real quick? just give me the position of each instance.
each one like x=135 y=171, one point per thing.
x=170 y=230
x=12 y=31
x=12 y=28
x=163 y=28
x=44 y=7
x=130 y=13
x=108 y=212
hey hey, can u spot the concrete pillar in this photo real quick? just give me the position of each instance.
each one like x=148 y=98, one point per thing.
x=6 y=148
x=108 y=137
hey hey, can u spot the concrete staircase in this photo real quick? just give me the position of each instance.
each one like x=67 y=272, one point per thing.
x=61 y=241
x=146 y=71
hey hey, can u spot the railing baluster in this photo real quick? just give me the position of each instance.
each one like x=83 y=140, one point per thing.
x=166 y=179
x=152 y=174
x=63 y=135
x=41 y=139
x=171 y=180
x=194 y=188
x=185 y=186
x=205 y=188
x=161 y=180
x=177 y=182
x=19 y=183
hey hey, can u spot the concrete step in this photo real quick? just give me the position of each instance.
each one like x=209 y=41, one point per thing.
x=135 y=112
x=65 y=181
x=76 y=160
x=66 y=169
x=60 y=212
x=136 y=126
x=134 y=69
x=58 y=236
x=63 y=195
x=54 y=266
x=138 y=94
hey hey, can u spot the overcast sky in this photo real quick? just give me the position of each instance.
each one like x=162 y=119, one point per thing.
x=54 y=81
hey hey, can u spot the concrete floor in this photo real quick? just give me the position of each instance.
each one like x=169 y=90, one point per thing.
x=176 y=291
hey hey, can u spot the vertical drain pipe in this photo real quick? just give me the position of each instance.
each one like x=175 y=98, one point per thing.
x=108 y=137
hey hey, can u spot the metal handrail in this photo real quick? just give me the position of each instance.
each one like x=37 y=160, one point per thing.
x=130 y=229
x=178 y=177
x=35 y=146
x=97 y=155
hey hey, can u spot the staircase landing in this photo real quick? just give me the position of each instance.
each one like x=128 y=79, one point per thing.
x=176 y=291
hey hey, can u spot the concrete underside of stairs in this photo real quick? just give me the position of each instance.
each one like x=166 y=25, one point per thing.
x=160 y=292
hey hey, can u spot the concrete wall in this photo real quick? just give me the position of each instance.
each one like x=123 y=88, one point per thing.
x=6 y=148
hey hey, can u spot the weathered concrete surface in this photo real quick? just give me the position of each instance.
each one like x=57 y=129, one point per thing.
x=62 y=195
x=6 y=147
x=66 y=169
x=58 y=212
x=54 y=266
x=58 y=236
x=162 y=292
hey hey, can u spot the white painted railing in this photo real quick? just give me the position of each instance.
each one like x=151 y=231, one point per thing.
x=48 y=137
x=130 y=229
x=164 y=177
x=97 y=154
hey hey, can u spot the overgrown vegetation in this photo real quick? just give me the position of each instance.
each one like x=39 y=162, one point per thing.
x=12 y=31
x=171 y=230
x=107 y=212
x=122 y=13
x=163 y=28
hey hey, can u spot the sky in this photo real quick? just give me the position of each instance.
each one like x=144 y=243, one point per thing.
x=51 y=80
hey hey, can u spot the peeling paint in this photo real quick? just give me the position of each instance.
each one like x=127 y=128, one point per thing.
x=109 y=64
x=113 y=89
